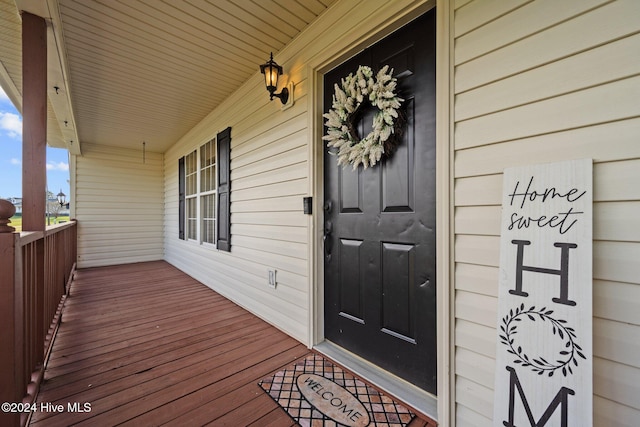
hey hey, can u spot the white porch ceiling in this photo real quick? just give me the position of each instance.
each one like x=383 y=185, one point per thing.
x=149 y=70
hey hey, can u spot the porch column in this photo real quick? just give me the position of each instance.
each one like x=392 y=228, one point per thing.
x=34 y=184
x=34 y=122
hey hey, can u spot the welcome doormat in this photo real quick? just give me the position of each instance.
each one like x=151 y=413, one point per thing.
x=315 y=393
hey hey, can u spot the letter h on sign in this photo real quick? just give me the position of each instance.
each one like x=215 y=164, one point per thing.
x=563 y=272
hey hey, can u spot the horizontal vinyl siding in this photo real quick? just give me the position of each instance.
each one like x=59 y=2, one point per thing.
x=537 y=82
x=269 y=231
x=119 y=199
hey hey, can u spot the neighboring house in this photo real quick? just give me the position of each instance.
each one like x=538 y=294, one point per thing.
x=505 y=83
x=17 y=202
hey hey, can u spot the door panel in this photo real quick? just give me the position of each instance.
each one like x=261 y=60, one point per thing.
x=380 y=222
x=398 y=172
x=397 y=290
x=351 y=292
x=350 y=192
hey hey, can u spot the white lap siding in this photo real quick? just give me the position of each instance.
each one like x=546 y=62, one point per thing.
x=119 y=199
x=537 y=82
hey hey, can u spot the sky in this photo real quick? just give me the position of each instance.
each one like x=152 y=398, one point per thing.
x=11 y=155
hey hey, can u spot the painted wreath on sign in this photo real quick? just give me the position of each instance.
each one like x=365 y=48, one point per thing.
x=349 y=98
x=567 y=358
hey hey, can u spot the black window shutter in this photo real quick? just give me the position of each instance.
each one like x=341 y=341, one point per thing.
x=181 y=197
x=223 y=221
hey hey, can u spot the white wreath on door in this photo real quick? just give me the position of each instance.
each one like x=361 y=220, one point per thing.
x=349 y=97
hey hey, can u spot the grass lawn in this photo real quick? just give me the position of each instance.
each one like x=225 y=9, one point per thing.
x=16 y=221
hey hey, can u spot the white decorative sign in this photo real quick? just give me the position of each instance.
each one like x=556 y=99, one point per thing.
x=544 y=348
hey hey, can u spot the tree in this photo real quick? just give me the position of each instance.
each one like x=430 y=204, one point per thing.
x=53 y=207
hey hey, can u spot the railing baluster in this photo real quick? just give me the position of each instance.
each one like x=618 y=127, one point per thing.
x=35 y=268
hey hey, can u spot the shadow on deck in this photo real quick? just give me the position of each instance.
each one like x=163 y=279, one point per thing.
x=145 y=344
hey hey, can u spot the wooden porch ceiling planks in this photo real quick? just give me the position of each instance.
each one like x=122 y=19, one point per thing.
x=145 y=344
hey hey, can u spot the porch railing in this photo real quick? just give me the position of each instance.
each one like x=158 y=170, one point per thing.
x=35 y=272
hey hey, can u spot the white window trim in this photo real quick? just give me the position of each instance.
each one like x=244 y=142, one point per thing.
x=198 y=196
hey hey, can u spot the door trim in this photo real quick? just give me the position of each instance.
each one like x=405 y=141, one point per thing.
x=444 y=403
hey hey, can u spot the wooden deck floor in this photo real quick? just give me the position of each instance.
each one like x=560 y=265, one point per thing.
x=145 y=345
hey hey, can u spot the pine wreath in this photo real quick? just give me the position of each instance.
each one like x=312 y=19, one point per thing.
x=567 y=358
x=349 y=98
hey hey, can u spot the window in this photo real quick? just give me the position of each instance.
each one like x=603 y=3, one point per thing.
x=191 y=173
x=200 y=193
x=204 y=189
x=208 y=191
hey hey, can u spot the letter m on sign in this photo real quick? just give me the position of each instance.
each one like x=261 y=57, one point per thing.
x=561 y=399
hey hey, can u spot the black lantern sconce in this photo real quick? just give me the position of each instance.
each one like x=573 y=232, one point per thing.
x=62 y=198
x=272 y=71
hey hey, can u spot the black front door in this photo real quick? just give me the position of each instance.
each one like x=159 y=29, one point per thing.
x=379 y=223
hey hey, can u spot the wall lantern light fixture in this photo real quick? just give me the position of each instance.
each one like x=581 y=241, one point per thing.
x=272 y=71
x=62 y=198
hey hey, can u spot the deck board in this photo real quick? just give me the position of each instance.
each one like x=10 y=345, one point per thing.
x=146 y=344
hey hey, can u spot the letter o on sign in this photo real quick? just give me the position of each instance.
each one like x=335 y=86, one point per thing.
x=333 y=400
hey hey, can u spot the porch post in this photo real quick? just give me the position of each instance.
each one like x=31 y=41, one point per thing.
x=34 y=121
x=34 y=179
